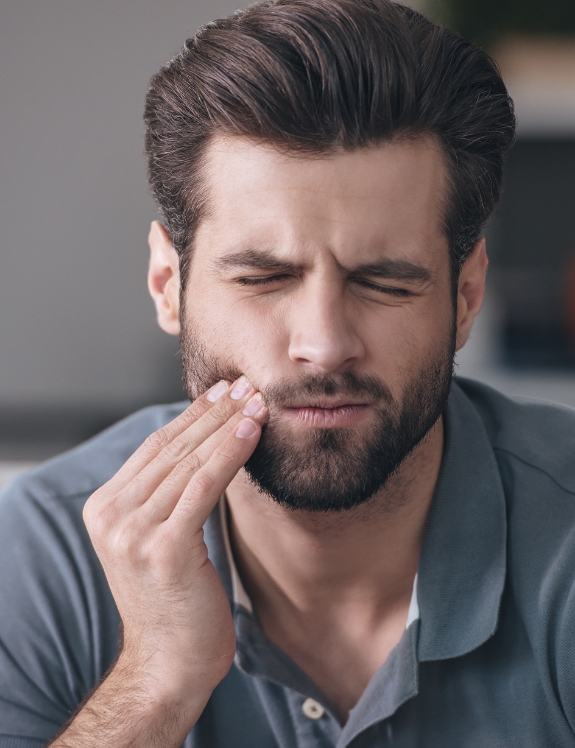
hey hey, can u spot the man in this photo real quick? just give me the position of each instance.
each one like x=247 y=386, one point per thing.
x=334 y=545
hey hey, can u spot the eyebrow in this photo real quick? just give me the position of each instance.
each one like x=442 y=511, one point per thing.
x=395 y=270
x=249 y=258
x=401 y=270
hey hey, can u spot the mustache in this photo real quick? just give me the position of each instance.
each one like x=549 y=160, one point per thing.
x=202 y=370
x=351 y=384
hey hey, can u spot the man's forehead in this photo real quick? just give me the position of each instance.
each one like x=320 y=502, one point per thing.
x=364 y=173
x=259 y=195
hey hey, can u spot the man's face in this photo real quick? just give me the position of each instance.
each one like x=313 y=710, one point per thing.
x=326 y=282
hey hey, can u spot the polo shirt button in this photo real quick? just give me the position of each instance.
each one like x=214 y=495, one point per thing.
x=312 y=709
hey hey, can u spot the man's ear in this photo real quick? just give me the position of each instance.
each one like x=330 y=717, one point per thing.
x=470 y=291
x=164 y=278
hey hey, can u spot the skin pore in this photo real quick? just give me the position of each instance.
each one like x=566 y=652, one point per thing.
x=308 y=266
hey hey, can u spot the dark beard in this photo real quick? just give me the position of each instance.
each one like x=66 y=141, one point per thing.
x=334 y=469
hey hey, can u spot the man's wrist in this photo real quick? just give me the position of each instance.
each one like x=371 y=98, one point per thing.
x=136 y=707
x=163 y=685
x=168 y=677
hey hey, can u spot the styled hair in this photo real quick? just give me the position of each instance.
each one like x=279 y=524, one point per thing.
x=322 y=76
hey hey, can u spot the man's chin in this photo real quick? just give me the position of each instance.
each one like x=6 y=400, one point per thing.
x=288 y=441
x=316 y=470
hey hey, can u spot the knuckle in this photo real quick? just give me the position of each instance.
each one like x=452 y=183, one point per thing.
x=227 y=453
x=195 y=411
x=88 y=512
x=125 y=543
x=158 y=440
x=190 y=464
x=179 y=476
x=176 y=450
x=204 y=482
x=96 y=519
x=93 y=507
x=95 y=499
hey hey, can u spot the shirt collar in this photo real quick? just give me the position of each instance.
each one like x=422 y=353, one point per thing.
x=239 y=595
x=462 y=567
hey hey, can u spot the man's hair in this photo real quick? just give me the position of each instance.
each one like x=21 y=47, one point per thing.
x=322 y=76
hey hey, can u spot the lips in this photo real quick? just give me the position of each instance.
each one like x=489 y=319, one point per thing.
x=327 y=403
x=332 y=414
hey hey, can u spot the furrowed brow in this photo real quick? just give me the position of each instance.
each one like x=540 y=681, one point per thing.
x=249 y=259
x=401 y=270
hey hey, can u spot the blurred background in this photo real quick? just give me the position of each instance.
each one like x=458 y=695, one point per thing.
x=79 y=346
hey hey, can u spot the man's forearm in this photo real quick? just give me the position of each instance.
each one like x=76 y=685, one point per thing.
x=126 y=711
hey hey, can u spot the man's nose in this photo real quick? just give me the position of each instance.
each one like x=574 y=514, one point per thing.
x=323 y=335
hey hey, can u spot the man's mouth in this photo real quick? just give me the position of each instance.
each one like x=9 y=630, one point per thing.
x=327 y=413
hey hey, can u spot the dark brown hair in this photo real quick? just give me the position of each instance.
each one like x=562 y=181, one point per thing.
x=317 y=76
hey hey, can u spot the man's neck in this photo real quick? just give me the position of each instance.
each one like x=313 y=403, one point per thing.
x=350 y=572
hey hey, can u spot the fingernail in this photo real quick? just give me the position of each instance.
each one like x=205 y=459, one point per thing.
x=246 y=428
x=241 y=389
x=253 y=406
x=217 y=391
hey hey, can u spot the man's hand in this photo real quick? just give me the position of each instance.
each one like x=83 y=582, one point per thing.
x=146 y=526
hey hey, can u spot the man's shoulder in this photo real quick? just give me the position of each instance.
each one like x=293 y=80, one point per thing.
x=533 y=444
x=531 y=435
x=86 y=467
x=41 y=510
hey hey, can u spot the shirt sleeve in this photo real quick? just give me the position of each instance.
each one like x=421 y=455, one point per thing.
x=58 y=621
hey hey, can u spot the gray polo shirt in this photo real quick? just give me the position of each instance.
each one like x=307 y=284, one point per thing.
x=488 y=662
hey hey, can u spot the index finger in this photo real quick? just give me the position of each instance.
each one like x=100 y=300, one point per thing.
x=159 y=439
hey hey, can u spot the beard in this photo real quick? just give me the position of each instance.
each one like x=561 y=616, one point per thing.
x=331 y=469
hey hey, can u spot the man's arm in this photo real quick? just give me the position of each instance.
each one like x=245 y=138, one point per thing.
x=146 y=525
x=122 y=713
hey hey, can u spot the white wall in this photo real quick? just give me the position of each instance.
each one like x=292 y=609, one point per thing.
x=76 y=324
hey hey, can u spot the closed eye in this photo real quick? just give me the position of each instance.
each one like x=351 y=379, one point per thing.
x=262 y=280
x=391 y=290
